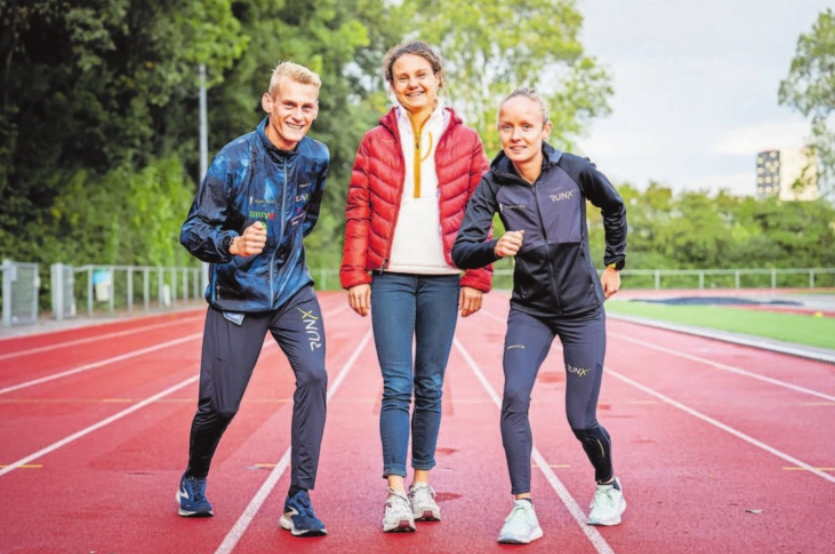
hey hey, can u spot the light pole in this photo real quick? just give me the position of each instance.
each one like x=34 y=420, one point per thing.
x=204 y=153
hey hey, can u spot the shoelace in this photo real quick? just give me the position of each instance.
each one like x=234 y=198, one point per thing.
x=399 y=503
x=198 y=488
x=520 y=510
x=302 y=504
x=421 y=490
x=604 y=496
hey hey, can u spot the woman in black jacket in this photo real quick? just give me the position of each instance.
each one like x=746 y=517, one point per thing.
x=540 y=195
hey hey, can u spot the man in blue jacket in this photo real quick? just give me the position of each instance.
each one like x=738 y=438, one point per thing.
x=259 y=199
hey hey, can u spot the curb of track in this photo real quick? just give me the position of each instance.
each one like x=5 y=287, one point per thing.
x=826 y=355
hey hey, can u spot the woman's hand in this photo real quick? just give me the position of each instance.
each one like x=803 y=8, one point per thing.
x=509 y=244
x=610 y=281
x=359 y=298
x=469 y=301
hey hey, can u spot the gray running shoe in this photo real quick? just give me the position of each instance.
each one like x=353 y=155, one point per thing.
x=607 y=505
x=521 y=526
x=422 y=500
x=398 y=517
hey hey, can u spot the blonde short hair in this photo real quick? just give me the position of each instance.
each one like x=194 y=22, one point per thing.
x=530 y=94
x=295 y=72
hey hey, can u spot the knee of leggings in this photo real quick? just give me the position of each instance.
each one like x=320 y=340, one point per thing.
x=514 y=401
x=587 y=434
x=313 y=377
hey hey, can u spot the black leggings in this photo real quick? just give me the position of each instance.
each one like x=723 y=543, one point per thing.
x=527 y=344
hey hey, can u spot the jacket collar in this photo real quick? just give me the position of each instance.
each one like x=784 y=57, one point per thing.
x=274 y=153
x=389 y=121
x=503 y=169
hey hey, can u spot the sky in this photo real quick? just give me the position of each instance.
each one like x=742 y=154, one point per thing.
x=696 y=85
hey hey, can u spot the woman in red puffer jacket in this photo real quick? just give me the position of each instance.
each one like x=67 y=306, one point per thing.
x=411 y=181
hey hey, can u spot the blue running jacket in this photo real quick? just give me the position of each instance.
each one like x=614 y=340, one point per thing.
x=251 y=180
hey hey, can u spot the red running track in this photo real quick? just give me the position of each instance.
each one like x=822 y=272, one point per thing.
x=720 y=448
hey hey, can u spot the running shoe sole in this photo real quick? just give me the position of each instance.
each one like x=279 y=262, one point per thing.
x=287 y=524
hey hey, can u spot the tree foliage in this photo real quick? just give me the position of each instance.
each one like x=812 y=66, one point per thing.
x=491 y=48
x=810 y=89
x=99 y=118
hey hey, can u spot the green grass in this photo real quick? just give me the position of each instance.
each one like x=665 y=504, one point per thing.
x=801 y=329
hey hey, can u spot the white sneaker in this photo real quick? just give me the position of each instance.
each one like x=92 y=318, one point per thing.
x=521 y=526
x=398 y=517
x=607 y=505
x=422 y=500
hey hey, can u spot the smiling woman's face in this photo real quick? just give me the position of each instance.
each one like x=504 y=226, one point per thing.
x=414 y=83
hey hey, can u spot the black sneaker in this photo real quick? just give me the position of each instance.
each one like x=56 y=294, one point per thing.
x=191 y=496
x=298 y=517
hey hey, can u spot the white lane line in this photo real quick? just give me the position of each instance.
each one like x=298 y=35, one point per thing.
x=75 y=436
x=94 y=365
x=93 y=339
x=724 y=367
x=728 y=429
x=257 y=501
x=739 y=434
x=120 y=358
x=590 y=531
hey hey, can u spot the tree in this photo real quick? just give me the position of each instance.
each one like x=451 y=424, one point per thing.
x=810 y=89
x=94 y=88
x=491 y=48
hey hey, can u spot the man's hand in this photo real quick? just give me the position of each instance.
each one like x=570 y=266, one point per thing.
x=509 y=244
x=610 y=281
x=469 y=301
x=359 y=298
x=252 y=242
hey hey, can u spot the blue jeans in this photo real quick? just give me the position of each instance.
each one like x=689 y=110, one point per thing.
x=403 y=307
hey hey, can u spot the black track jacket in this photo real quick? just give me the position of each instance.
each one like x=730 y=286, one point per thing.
x=554 y=274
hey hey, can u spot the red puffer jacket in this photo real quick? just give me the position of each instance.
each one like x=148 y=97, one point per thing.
x=377 y=187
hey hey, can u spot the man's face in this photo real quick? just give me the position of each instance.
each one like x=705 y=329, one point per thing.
x=292 y=110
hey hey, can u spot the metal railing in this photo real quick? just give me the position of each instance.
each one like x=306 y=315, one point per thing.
x=328 y=279
x=111 y=288
x=118 y=287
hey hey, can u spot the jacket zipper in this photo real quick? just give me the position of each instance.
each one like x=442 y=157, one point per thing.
x=547 y=247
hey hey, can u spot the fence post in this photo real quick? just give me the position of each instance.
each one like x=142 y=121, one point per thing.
x=811 y=278
x=8 y=277
x=130 y=289
x=146 y=288
x=56 y=275
x=173 y=286
x=111 y=305
x=701 y=279
x=657 y=279
x=90 y=291
x=736 y=279
x=773 y=278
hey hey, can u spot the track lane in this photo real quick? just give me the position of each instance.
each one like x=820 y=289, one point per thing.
x=660 y=450
x=688 y=483
x=141 y=457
